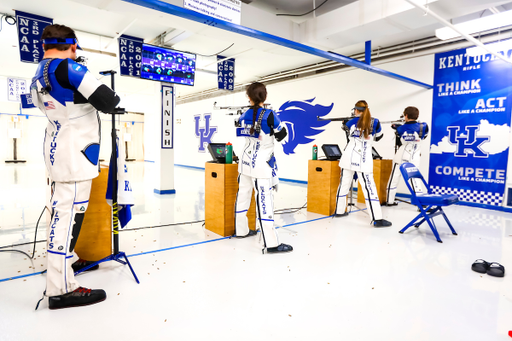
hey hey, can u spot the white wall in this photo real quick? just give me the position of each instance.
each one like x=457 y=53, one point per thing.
x=30 y=145
x=386 y=97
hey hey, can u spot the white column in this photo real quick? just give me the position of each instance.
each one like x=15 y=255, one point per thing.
x=164 y=143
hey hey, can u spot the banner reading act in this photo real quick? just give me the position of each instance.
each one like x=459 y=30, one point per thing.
x=470 y=126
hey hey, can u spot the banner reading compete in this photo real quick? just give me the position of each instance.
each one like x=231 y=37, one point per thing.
x=470 y=126
x=227 y=10
x=30 y=29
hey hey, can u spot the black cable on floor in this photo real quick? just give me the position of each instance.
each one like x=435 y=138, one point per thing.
x=151 y=227
x=35 y=234
x=287 y=210
x=21 y=244
x=26 y=254
x=279 y=211
x=34 y=242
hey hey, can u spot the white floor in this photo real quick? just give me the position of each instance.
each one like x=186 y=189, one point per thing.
x=344 y=281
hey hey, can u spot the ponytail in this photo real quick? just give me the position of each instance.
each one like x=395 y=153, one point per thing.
x=365 y=120
x=254 y=113
x=257 y=92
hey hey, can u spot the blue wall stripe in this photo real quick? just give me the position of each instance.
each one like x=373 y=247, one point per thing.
x=193 y=167
x=165 y=191
x=242 y=30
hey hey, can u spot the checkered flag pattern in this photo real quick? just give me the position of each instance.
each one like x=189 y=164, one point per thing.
x=483 y=220
x=479 y=197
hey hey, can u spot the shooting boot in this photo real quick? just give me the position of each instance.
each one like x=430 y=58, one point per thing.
x=79 y=297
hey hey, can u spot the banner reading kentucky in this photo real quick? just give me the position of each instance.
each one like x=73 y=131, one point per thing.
x=470 y=126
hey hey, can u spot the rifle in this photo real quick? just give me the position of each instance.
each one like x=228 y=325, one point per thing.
x=349 y=118
x=400 y=121
x=334 y=118
x=239 y=108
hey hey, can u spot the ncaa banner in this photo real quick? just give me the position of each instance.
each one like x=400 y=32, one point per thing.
x=30 y=29
x=470 y=133
x=130 y=55
x=226 y=73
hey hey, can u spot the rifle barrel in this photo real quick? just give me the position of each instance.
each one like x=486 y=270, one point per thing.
x=334 y=118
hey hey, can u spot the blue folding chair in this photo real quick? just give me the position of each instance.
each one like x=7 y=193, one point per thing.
x=432 y=202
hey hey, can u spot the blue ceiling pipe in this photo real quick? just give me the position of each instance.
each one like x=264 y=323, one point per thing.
x=210 y=21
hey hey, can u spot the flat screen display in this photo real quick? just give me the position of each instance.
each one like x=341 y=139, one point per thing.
x=218 y=151
x=331 y=151
x=166 y=65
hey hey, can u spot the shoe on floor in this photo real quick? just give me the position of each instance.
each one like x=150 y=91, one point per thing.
x=250 y=234
x=79 y=297
x=339 y=215
x=395 y=203
x=82 y=263
x=480 y=266
x=381 y=223
x=496 y=270
x=280 y=248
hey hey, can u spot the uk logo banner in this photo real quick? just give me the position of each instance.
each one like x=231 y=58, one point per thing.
x=470 y=135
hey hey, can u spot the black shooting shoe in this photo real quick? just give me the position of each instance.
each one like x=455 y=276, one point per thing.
x=339 y=215
x=77 y=298
x=280 y=248
x=81 y=263
x=381 y=223
x=250 y=234
x=395 y=203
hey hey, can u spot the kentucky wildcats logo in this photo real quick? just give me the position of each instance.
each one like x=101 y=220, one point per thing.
x=205 y=134
x=467 y=142
x=301 y=122
x=479 y=141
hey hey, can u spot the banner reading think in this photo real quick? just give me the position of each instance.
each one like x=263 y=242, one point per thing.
x=30 y=29
x=226 y=73
x=130 y=55
x=470 y=126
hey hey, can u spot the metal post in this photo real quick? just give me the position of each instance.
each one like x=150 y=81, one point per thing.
x=115 y=207
x=15 y=148
x=117 y=255
x=368 y=52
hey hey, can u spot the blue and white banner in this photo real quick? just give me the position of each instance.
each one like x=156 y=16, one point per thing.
x=15 y=88
x=130 y=55
x=26 y=101
x=30 y=29
x=470 y=127
x=125 y=198
x=226 y=73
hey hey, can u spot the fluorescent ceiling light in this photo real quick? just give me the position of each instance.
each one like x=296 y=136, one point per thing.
x=499 y=46
x=473 y=26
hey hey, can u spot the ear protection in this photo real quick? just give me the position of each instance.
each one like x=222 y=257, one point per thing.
x=62 y=41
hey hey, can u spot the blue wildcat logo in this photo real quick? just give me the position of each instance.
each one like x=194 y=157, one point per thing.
x=301 y=122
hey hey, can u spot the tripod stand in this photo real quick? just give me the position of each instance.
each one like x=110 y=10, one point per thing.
x=117 y=255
